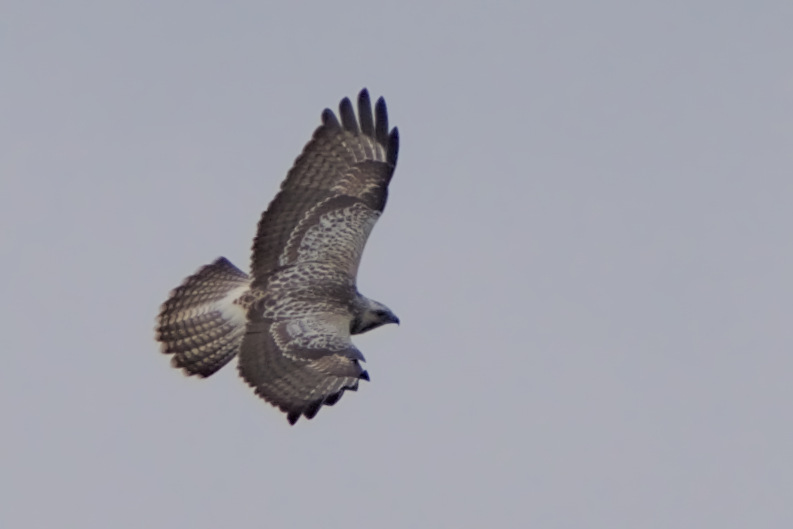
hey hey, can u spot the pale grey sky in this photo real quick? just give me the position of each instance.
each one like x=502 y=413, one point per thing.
x=587 y=242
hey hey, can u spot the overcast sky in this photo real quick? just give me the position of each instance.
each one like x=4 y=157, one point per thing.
x=588 y=243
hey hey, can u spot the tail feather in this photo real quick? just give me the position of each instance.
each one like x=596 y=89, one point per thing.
x=199 y=324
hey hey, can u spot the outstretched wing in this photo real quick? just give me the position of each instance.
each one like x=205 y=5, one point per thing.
x=302 y=363
x=333 y=195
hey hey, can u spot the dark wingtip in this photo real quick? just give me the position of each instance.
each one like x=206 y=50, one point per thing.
x=330 y=120
x=348 y=116
x=393 y=146
x=381 y=121
x=312 y=409
x=365 y=113
x=373 y=124
x=333 y=398
x=364 y=376
x=292 y=417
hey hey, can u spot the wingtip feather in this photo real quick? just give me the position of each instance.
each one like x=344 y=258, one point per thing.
x=348 y=116
x=312 y=409
x=365 y=113
x=393 y=146
x=333 y=398
x=330 y=120
x=381 y=121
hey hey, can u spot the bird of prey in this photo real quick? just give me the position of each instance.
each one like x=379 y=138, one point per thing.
x=290 y=320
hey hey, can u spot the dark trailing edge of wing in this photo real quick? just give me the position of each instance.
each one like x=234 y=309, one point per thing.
x=313 y=408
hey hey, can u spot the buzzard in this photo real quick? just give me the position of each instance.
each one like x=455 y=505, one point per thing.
x=290 y=320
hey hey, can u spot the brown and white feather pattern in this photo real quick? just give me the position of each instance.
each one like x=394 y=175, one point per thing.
x=335 y=231
x=345 y=163
x=290 y=323
x=202 y=323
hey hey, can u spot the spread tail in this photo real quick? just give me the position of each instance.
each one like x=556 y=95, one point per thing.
x=199 y=324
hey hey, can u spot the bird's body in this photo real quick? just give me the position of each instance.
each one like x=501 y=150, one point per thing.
x=290 y=320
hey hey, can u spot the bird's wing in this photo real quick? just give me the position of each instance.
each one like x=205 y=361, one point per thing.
x=301 y=363
x=333 y=195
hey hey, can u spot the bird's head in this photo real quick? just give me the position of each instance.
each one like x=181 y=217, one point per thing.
x=371 y=314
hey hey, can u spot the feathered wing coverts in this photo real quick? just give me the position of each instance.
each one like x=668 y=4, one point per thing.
x=291 y=320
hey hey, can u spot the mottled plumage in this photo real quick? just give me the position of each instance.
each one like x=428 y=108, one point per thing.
x=292 y=319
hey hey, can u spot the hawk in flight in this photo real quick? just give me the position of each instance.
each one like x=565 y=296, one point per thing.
x=290 y=320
